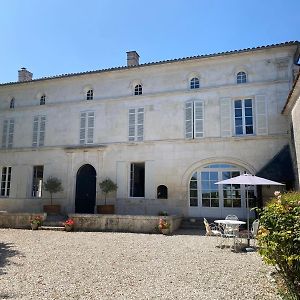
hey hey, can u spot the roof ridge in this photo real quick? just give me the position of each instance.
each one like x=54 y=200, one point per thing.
x=157 y=62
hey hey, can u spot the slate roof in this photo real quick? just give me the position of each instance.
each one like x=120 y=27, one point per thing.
x=290 y=43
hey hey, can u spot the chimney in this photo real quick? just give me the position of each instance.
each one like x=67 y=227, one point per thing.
x=24 y=75
x=132 y=58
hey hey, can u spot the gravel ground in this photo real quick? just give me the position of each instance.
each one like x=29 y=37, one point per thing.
x=102 y=265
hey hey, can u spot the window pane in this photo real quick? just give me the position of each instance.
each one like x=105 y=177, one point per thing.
x=213 y=176
x=193 y=193
x=248 y=102
x=215 y=203
x=239 y=130
x=227 y=203
x=238 y=104
x=238 y=122
x=193 y=202
x=194 y=177
x=193 y=184
x=206 y=202
x=249 y=121
x=204 y=175
x=249 y=130
x=236 y=202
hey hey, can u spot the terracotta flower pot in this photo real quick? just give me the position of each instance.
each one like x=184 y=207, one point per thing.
x=105 y=209
x=34 y=226
x=68 y=228
x=165 y=231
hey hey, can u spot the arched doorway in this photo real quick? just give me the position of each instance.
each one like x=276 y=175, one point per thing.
x=85 y=198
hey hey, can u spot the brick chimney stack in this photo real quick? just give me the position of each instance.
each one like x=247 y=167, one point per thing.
x=132 y=58
x=24 y=75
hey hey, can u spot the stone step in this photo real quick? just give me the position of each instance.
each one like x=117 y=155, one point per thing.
x=54 y=228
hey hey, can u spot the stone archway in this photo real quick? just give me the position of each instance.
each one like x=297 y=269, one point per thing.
x=85 y=198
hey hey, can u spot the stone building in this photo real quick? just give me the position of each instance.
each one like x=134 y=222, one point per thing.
x=165 y=132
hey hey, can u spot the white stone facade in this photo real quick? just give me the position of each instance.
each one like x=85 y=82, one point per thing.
x=169 y=157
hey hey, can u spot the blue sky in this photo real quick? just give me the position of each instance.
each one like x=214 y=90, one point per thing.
x=51 y=37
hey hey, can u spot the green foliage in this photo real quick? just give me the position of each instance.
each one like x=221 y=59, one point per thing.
x=279 y=238
x=52 y=185
x=107 y=186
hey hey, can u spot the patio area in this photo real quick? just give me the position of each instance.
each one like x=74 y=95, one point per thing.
x=109 y=265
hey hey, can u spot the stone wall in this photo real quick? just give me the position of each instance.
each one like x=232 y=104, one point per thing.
x=17 y=220
x=122 y=223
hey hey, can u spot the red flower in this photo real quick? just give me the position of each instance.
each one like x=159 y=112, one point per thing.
x=69 y=222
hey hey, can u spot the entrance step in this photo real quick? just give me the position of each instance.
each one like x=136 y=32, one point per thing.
x=54 y=221
x=54 y=228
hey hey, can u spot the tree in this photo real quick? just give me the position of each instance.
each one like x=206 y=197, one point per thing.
x=52 y=185
x=107 y=186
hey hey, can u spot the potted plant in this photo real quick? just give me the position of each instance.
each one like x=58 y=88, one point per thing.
x=52 y=185
x=69 y=225
x=36 y=222
x=107 y=186
x=164 y=226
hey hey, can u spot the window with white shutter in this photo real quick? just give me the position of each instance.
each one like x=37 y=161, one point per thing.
x=8 y=133
x=225 y=117
x=194 y=119
x=87 y=124
x=39 y=130
x=261 y=115
x=136 y=124
x=5 y=181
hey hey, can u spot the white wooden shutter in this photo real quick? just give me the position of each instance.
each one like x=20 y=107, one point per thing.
x=42 y=130
x=225 y=117
x=82 y=128
x=198 y=119
x=131 y=124
x=35 y=131
x=90 y=127
x=4 y=133
x=140 y=124
x=11 y=133
x=189 y=120
x=261 y=115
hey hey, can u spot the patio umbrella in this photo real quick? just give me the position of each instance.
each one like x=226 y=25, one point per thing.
x=248 y=179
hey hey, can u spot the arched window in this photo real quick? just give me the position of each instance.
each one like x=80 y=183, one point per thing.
x=43 y=100
x=138 y=90
x=194 y=83
x=12 y=103
x=241 y=77
x=203 y=192
x=89 y=95
x=162 y=192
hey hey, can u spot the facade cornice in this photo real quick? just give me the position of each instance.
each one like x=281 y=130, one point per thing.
x=181 y=141
x=292 y=97
x=180 y=92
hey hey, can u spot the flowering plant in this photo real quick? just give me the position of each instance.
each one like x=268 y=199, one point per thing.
x=36 y=220
x=163 y=224
x=69 y=222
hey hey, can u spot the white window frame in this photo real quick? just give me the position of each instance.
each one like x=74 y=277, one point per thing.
x=244 y=117
x=241 y=77
x=90 y=94
x=37 y=193
x=43 y=99
x=194 y=83
x=87 y=127
x=138 y=89
x=12 y=103
x=8 y=133
x=194 y=119
x=39 y=131
x=136 y=118
x=5 y=181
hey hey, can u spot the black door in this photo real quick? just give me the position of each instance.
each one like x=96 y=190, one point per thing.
x=85 y=190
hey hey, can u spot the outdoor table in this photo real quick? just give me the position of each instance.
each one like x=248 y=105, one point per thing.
x=230 y=222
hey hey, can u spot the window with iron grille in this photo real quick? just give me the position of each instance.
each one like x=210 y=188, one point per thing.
x=5 y=181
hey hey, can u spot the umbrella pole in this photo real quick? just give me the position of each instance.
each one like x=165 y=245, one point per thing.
x=248 y=217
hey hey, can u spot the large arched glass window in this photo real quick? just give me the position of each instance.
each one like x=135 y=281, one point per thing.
x=194 y=83
x=241 y=77
x=203 y=192
x=12 y=103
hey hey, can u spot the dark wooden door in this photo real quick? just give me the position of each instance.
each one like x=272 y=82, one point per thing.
x=85 y=199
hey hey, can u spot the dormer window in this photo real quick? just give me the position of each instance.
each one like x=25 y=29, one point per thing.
x=194 y=83
x=138 y=90
x=12 y=103
x=90 y=95
x=241 y=77
x=43 y=100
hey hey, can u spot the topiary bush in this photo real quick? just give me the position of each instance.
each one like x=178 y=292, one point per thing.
x=279 y=239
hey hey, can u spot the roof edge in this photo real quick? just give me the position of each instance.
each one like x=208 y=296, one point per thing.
x=232 y=52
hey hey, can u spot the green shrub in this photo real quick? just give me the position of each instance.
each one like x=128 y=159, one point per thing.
x=279 y=238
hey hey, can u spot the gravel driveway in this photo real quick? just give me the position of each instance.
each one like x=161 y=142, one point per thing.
x=102 y=265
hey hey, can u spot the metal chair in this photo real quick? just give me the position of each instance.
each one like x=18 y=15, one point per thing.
x=211 y=229
x=232 y=217
x=252 y=233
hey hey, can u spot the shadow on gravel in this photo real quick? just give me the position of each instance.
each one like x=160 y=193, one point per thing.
x=189 y=232
x=6 y=251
